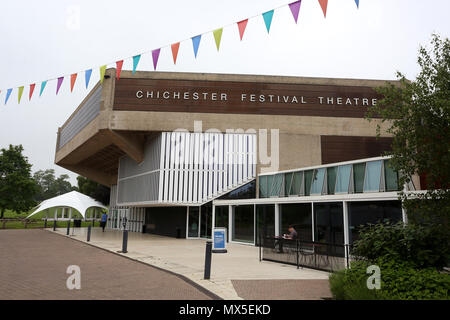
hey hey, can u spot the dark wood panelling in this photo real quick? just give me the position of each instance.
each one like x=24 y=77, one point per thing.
x=344 y=148
x=126 y=88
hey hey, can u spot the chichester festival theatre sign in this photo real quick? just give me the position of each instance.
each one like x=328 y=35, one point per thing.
x=254 y=98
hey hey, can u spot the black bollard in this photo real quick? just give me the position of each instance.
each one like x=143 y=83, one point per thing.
x=45 y=224
x=54 y=225
x=68 y=228
x=89 y=234
x=208 y=260
x=125 y=241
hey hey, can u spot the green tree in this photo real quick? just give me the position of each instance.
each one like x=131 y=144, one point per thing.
x=418 y=117
x=17 y=187
x=93 y=189
x=49 y=186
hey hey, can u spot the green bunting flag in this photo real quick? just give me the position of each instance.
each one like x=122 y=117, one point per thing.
x=20 y=93
x=217 y=37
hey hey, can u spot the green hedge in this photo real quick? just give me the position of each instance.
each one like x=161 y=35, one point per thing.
x=399 y=280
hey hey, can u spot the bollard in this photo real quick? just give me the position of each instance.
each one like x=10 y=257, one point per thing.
x=68 y=228
x=208 y=260
x=89 y=234
x=45 y=224
x=54 y=225
x=125 y=241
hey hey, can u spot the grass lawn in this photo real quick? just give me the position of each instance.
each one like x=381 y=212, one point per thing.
x=36 y=220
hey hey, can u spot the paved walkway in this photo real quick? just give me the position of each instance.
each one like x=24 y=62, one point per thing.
x=33 y=265
x=186 y=257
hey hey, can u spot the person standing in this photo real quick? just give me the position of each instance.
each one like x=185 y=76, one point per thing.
x=103 y=221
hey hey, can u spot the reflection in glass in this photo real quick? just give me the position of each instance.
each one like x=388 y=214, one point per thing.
x=265 y=221
x=343 y=179
x=308 y=181
x=373 y=176
x=193 y=222
x=358 y=176
x=243 y=223
x=317 y=185
x=298 y=215
x=331 y=179
x=390 y=177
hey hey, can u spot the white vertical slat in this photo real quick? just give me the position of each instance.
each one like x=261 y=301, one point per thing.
x=210 y=165
x=181 y=167
x=220 y=162
x=191 y=166
x=245 y=158
x=166 y=166
x=176 y=166
x=254 y=150
x=235 y=158
x=162 y=149
x=171 y=165
x=225 y=163
x=200 y=168
x=187 y=153
x=196 y=166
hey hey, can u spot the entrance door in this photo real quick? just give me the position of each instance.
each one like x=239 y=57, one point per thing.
x=193 y=222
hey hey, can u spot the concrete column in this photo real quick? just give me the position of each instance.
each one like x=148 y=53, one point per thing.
x=346 y=229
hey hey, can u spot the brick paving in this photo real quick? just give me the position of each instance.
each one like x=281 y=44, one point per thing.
x=295 y=289
x=33 y=265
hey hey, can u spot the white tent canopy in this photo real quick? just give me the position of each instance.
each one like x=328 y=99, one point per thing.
x=73 y=199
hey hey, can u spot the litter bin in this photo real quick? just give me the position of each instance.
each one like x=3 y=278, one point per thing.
x=77 y=223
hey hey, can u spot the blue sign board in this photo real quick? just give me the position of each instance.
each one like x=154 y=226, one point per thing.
x=219 y=240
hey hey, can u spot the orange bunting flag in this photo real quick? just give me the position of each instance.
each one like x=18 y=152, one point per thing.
x=119 y=65
x=73 y=78
x=175 y=48
x=324 y=4
x=31 y=90
x=242 y=25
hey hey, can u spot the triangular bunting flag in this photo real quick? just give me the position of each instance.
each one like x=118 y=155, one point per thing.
x=268 y=19
x=31 y=90
x=135 y=62
x=58 y=85
x=295 y=8
x=73 y=78
x=87 y=76
x=324 y=4
x=102 y=73
x=242 y=25
x=218 y=36
x=175 y=48
x=119 y=65
x=196 y=43
x=8 y=93
x=155 y=56
x=43 y=84
x=20 y=93
x=357 y=3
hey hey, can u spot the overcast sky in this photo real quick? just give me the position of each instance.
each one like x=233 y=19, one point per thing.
x=43 y=40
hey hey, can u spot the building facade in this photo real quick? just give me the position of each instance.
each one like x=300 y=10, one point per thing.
x=185 y=152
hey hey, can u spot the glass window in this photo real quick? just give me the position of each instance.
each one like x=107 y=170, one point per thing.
x=243 y=223
x=343 y=178
x=265 y=221
x=277 y=185
x=362 y=213
x=331 y=179
x=206 y=220
x=298 y=215
x=308 y=181
x=317 y=184
x=329 y=226
x=358 y=176
x=193 y=222
x=263 y=187
x=373 y=176
x=288 y=177
x=247 y=191
x=390 y=177
x=221 y=218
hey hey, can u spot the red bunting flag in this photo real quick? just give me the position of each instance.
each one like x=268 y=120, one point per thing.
x=31 y=90
x=175 y=48
x=242 y=25
x=119 y=65
x=73 y=78
x=324 y=4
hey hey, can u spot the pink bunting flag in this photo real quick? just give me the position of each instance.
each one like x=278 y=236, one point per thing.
x=155 y=56
x=295 y=8
x=58 y=85
x=119 y=65
x=242 y=25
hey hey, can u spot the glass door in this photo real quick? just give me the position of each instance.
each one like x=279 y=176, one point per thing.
x=206 y=220
x=193 y=222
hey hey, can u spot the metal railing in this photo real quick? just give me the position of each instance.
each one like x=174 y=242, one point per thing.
x=309 y=254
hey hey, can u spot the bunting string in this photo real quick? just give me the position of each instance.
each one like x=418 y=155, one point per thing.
x=217 y=33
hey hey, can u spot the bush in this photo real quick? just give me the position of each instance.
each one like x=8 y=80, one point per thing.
x=421 y=246
x=399 y=280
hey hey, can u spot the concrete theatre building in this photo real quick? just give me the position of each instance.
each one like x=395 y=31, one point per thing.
x=185 y=152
